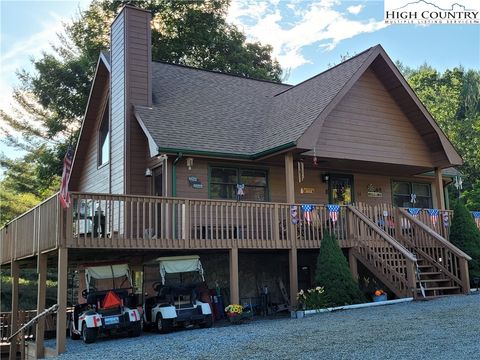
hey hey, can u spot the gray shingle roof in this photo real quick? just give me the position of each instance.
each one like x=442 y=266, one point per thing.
x=201 y=110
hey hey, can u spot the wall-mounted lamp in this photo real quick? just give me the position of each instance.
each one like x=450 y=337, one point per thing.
x=325 y=178
x=148 y=172
x=189 y=163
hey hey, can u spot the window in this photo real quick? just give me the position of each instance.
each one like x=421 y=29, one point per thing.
x=403 y=190
x=104 y=139
x=223 y=183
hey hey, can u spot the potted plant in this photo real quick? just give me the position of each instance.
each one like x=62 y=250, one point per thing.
x=234 y=313
x=379 y=295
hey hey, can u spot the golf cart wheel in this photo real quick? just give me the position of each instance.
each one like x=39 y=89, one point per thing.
x=136 y=329
x=89 y=335
x=73 y=335
x=163 y=326
x=208 y=322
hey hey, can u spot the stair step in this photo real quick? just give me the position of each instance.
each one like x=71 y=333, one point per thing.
x=434 y=280
x=441 y=288
x=430 y=273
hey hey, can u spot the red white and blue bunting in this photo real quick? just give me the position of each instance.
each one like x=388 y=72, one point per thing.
x=476 y=217
x=414 y=211
x=307 y=210
x=333 y=211
x=433 y=213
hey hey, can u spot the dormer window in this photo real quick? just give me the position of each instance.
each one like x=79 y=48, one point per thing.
x=104 y=139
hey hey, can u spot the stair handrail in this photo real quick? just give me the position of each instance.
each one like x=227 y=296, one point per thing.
x=437 y=237
x=383 y=234
x=33 y=321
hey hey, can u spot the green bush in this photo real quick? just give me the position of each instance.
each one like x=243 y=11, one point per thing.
x=312 y=299
x=465 y=235
x=333 y=274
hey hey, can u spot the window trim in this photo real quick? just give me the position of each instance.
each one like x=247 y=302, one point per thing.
x=238 y=169
x=411 y=182
x=99 y=137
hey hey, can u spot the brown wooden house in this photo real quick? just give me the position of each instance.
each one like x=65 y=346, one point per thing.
x=164 y=149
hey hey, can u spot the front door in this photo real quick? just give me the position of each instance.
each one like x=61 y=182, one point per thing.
x=340 y=189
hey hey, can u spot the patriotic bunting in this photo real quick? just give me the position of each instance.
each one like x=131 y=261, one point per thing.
x=476 y=217
x=433 y=213
x=414 y=211
x=307 y=212
x=333 y=211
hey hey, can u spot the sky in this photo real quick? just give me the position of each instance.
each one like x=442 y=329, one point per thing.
x=307 y=36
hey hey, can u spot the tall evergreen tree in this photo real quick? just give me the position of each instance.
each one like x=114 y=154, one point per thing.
x=465 y=235
x=334 y=275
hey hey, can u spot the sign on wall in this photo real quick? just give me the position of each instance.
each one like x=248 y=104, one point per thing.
x=194 y=182
x=374 y=191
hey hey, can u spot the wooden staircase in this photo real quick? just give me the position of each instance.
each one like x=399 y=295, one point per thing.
x=441 y=268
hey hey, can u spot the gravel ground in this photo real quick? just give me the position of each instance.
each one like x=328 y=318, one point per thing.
x=446 y=328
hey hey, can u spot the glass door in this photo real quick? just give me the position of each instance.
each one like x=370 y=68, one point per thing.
x=340 y=189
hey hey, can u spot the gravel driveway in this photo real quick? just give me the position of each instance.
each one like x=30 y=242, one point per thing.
x=447 y=328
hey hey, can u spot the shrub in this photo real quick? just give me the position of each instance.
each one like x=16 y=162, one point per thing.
x=465 y=235
x=333 y=274
x=312 y=299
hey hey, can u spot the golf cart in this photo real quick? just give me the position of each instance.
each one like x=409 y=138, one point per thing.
x=180 y=303
x=106 y=310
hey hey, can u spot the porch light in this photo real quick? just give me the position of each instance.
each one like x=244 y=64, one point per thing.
x=189 y=163
x=325 y=178
x=148 y=172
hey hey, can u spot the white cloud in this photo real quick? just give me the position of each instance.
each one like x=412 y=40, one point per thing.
x=315 y=23
x=355 y=9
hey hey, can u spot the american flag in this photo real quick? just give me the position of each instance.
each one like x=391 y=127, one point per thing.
x=433 y=213
x=333 y=211
x=476 y=217
x=67 y=167
x=414 y=211
x=307 y=212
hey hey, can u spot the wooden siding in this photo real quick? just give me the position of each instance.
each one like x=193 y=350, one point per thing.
x=138 y=84
x=92 y=177
x=117 y=128
x=368 y=125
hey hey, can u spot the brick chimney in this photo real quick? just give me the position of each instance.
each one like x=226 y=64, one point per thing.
x=131 y=84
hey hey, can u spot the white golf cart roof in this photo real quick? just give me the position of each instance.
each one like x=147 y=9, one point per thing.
x=107 y=271
x=179 y=264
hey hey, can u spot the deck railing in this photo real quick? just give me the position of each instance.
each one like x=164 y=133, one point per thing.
x=442 y=254
x=37 y=230
x=129 y=221
x=382 y=254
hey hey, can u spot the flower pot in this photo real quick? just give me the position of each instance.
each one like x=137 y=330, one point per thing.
x=300 y=314
x=379 y=298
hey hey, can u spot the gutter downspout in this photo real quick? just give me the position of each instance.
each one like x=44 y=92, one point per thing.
x=174 y=174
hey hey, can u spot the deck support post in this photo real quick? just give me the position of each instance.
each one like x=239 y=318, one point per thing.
x=439 y=189
x=41 y=293
x=293 y=270
x=292 y=233
x=15 y=274
x=234 y=285
x=463 y=265
x=352 y=261
x=62 y=299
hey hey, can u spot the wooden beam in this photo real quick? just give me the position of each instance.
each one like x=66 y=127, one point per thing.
x=41 y=293
x=289 y=178
x=439 y=189
x=62 y=299
x=15 y=274
x=234 y=286
x=293 y=270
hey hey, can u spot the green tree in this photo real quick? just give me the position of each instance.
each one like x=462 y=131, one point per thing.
x=453 y=99
x=465 y=235
x=333 y=274
x=50 y=101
